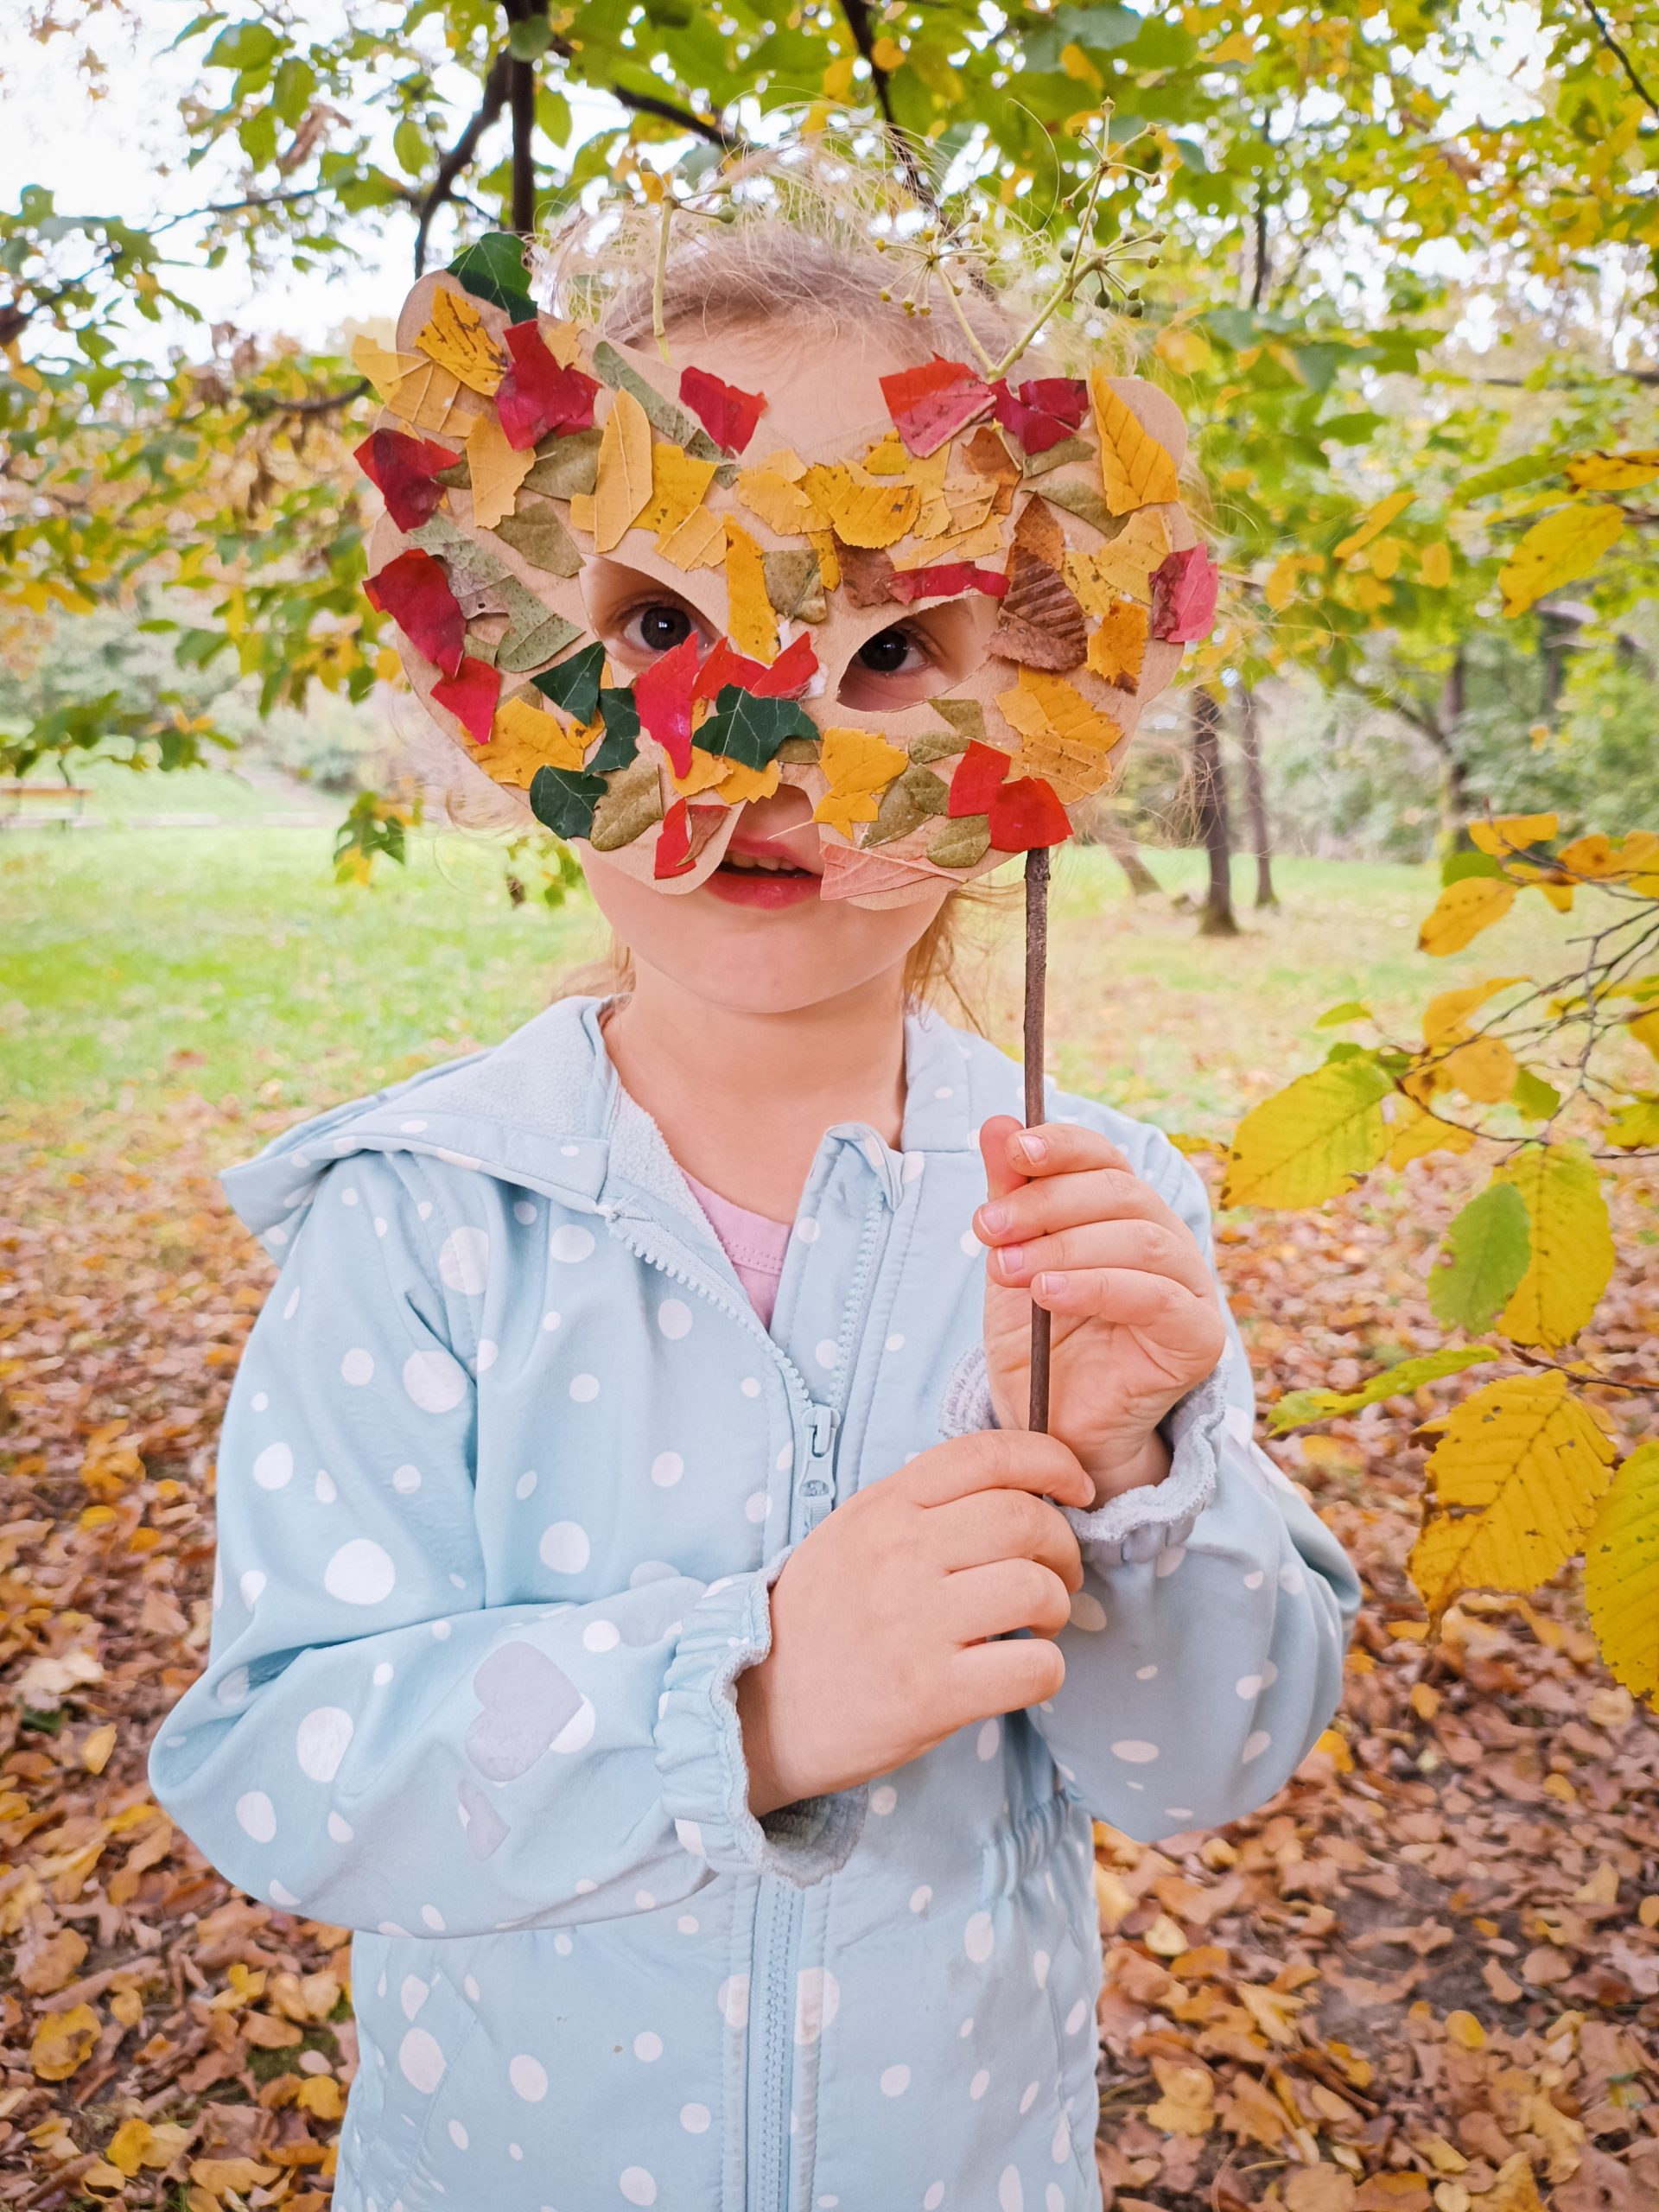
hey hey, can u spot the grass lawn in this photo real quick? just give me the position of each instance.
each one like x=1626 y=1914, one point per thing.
x=138 y=964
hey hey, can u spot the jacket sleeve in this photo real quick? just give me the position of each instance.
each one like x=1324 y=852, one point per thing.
x=1204 y=1651
x=373 y=1742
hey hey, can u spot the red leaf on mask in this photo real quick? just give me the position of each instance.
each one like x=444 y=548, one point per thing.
x=950 y=579
x=1027 y=812
x=728 y=414
x=673 y=854
x=662 y=695
x=1184 y=596
x=1044 y=410
x=536 y=397
x=788 y=675
x=979 y=772
x=413 y=590
x=471 y=696
x=403 y=470
x=932 y=403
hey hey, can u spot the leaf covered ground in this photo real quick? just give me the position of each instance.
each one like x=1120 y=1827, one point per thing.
x=1427 y=1974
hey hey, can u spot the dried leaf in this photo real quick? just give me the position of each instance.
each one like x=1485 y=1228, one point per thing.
x=930 y=404
x=498 y=470
x=964 y=845
x=1025 y=812
x=631 y=804
x=566 y=465
x=795 y=585
x=454 y=337
x=1044 y=412
x=63 y=2043
x=404 y=471
x=624 y=482
x=1135 y=470
x=536 y=533
x=1041 y=625
x=1117 y=649
x=728 y=414
x=1184 y=596
x=574 y=683
x=564 y=800
x=539 y=396
x=915 y=797
x=526 y=738
x=672 y=421
x=678 y=483
x=778 y=502
x=750 y=621
x=663 y=694
x=862 y=510
x=859 y=765
x=428 y=398
x=1063 y=737
x=949 y=581
x=866 y=575
x=415 y=592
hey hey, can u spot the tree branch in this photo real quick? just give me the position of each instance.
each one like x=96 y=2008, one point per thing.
x=702 y=126
x=857 y=15
x=449 y=169
x=1620 y=54
x=327 y=402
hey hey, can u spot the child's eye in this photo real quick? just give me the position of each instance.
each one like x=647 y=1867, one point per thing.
x=891 y=652
x=657 y=627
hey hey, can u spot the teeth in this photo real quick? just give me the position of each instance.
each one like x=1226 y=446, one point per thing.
x=769 y=866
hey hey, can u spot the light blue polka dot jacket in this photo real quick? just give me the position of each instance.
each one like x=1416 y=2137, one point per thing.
x=508 y=1471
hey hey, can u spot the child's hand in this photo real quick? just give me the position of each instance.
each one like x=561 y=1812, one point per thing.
x=880 y=1620
x=1137 y=1319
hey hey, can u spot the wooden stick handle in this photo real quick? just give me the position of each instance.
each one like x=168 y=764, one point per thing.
x=1036 y=982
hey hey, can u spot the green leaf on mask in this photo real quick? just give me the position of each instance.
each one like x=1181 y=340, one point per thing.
x=906 y=802
x=574 y=683
x=565 y=466
x=540 y=538
x=964 y=842
x=750 y=730
x=493 y=270
x=564 y=799
x=621 y=743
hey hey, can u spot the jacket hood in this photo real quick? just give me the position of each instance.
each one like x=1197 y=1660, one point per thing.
x=545 y=1109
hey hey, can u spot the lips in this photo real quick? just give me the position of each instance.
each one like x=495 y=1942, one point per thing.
x=766 y=873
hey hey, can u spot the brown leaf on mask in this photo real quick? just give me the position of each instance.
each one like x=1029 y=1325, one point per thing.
x=987 y=455
x=1042 y=624
x=1039 y=533
x=866 y=574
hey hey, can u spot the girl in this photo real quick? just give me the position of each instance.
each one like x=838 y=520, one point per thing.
x=641 y=1613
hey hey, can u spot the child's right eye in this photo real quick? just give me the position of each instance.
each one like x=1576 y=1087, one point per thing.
x=659 y=628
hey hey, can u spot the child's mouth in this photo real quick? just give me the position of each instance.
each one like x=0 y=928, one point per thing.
x=768 y=880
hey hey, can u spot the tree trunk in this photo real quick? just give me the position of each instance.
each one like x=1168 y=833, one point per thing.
x=1443 y=736
x=521 y=102
x=1109 y=832
x=1255 y=798
x=1209 y=797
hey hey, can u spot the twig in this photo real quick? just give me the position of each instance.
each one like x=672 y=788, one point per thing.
x=459 y=155
x=1620 y=54
x=659 y=274
x=702 y=126
x=1036 y=982
x=857 y=15
x=265 y=402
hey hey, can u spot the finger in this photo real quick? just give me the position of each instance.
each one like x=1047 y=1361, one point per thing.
x=999 y=1458
x=1001 y=1176
x=1145 y=1246
x=1064 y=1201
x=1135 y=1300
x=1061 y=1147
x=1005 y=1524
x=993 y=1678
x=1009 y=1593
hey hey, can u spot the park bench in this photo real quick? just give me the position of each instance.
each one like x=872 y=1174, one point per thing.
x=32 y=806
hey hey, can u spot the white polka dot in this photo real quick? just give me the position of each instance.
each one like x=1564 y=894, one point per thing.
x=1249 y=1686
x=1039 y=1965
x=279 y=1893
x=251 y=1585
x=733 y=1999
x=944 y=1091
x=584 y=1389
x=1077 y=2016
x=1054 y=2196
x=1255 y=1579
x=979 y=1937
x=551 y=1321
x=571 y=1242
x=360 y=1574
x=696 y=2119
x=647 y=2046
x=577 y=1733
x=969 y=1243
x=817 y=2000
x=750 y=1386
x=524 y=1211
x=1167 y=1561
x=1178 y=1812
x=515 y=2149
x=785 y=1459
x=348 y=1196
x=260 y=1402
x=921 y=1898
x=654 y=1570
x=691 y=1835
x=883 y=1798
x=339 y=1830
x=274 y=1467
x=473 y=1993
x=357 y=1367
x=382 y=1675
x=488 y=1353
x=565 y=1547
x=807 y=1229
x=935 y=2196
x=637 y=2185
x=895 y=1343
x=1290 y=1578
x=967 y=2028
x=458 y=2135
x=1146 y=1673
x=432 y=1918
x=529 y=2078
x=687 y=1922
x=600 y=1636
x=826 y=1353
x=405 y=1479
x=1134 y=1751
x=526 y=1484
x=257 y=1816
x=293 y=1305
x=435 y=1382
x=324 y=1487
x=233 y=1687
x=381 y=1224
x=895 y=2080
x=673 y=1318
x=441 y=1628
x=990 y=1735
x=1088 y=1613
x=981 y=2082
x=757 y=1505
x=562 y=1944
x=1254 y=1746
x=569 y=1151
x=1010 y=2197
x=411 y=1128
x=321 y=1741
x=1028 y=2095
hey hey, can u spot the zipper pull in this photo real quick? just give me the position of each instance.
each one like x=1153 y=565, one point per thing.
x=817 y=1489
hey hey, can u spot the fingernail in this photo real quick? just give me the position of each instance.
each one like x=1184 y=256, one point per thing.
x=1035 y=1149
x=1049 y=1286
x=1011 y=1259
x=994 y=1217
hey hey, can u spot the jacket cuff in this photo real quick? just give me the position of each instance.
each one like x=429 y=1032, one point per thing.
x=1157 y=1517
x=700 y=1748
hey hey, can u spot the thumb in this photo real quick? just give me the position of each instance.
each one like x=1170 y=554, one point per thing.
x=1000 y=1175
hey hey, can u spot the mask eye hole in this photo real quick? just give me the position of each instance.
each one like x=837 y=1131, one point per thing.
x=659 y=628
x=930 y=652
x=891 y=653
x=638 y=617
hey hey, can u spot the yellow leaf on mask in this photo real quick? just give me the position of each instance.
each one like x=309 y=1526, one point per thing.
x=1559 y=550
x=1122 y=568
x=456 y=339
x=1135 y=470
x=863 y=511
x=562 y=339
x=859 y=766
x=890 y=458
x=1513 y=1487
x=783 y=507
x=497 y=470
x=1117 y=649
x=1062 y=737
x=977 y=544
x=707 y=772
x=1621 y=1572
x=426 y=398
x=581 y=512
x=785 y=461
x=522 y=739
x=383 y=369
x=822 y=542
x=1572 y=1252
x=624 y=481
x=750 y=623
x=678 y=481
x=699 y=542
